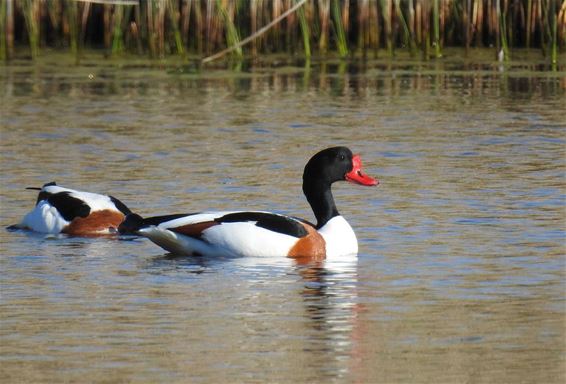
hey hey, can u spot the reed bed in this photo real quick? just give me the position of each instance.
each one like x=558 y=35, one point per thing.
x=200 y=28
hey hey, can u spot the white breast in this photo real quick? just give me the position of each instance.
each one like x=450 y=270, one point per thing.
x=339 y=237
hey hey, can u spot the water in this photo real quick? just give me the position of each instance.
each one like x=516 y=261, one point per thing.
x=461 y=272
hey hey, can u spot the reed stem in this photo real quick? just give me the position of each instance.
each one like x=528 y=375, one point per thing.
x=3 y=47
x=304 y=30
x=436 y=18
x=504 y=53
x=173 y=16
x=232 y=36
x=407 y=36
x=72 y=12
x=117 y=43
x=386 y=6
x=28 y=7
x=9 y=29
x=339 y=28
x=554 y=28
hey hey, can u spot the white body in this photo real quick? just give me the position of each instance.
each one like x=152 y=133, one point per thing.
x=227 y=239
x=245 y=238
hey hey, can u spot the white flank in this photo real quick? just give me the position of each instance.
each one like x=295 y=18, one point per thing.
x=44 y=218
x=339 y=237
x=247 y=239
x=228 y=239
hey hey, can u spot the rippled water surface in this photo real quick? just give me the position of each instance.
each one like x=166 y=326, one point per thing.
x=461 y=272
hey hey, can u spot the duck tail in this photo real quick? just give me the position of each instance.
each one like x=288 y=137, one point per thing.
x=131 y=224
x=44 y=185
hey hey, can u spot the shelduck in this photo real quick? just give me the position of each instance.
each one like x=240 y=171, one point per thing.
x=64 y=210
x=260 y=233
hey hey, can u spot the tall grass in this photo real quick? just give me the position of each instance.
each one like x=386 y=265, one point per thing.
x=344 y=28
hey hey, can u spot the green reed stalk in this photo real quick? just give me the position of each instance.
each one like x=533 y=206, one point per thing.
x=528 y=25
x=426 y=28
x=3 y=13
x=28 y=8
x=276 y=10
x=9 y=29
x=339 y=28
x=185 y=22
x=232 y=36
x=173 y=12
x=107 y=25
x=117 y=43
x=253 y=24
x=476 y=21
x=436 y=18
x=407 y=38
x=561 y=25
x=72 y=11
x=374 y=35
x=503 y=31
x=553 y=26
x=304 y=31
x=418 y=23
x=290 y=31
x=84 y=20
x=137 y=29
x=362 y=36
x=387 y=10
x=160 y=27
x=411 y=25
x=467 y=24
x=542 y=26
x=208 y=23
x=151 y=28
x=199 y=28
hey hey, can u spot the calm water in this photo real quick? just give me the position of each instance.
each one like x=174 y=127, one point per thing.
x=461 y=271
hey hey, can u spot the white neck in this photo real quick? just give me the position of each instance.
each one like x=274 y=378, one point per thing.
x=339 y=237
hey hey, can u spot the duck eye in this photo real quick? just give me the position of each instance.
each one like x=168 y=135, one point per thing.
x=342 y=157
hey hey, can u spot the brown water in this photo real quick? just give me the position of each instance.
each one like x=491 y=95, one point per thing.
x=461 y=272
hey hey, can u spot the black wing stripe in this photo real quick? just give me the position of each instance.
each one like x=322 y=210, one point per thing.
x=269 y=221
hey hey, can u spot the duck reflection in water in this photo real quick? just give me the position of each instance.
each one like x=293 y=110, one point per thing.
x=332 y=307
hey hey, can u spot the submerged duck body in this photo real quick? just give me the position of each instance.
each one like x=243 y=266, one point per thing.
x=65 y=210
x=260 y=233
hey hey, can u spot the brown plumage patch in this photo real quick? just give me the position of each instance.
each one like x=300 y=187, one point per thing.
x=194 y=230
x=309 y=248
x=98 y=222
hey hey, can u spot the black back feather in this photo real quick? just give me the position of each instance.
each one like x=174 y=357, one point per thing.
x=69 y=207
x=121 y=206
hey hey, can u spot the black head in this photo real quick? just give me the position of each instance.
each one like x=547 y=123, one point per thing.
x=329 y=165
x=336 y=164
x=323 y=169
